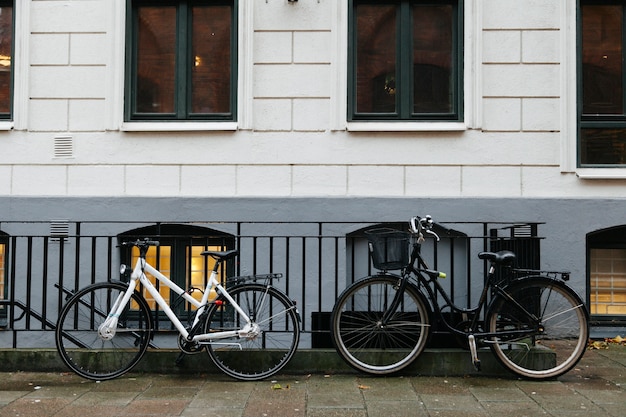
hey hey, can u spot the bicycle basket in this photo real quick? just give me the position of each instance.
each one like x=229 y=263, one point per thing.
x=389 y=248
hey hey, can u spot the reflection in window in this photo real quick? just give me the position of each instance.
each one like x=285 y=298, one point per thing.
x=2 y=277
x=608 y=281
x=182 y=61
x=602 y=135
x=6 y=57
x=406 y=60
x=197 y=271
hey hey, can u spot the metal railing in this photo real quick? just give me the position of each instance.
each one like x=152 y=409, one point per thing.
x=41 y=263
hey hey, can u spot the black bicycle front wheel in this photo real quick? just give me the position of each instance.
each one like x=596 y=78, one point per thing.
x=541 y=331
x=371 y=344
x=261 y=349
x=90 y=351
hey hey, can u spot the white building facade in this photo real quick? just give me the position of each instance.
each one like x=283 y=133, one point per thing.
x=293 y=138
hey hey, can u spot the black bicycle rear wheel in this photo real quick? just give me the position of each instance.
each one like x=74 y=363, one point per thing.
x=364 y=340
x=543 y=333
x=268 y=347
x=98 y=355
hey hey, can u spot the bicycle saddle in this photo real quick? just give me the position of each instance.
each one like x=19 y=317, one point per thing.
x=503 y=257
x=221 y=255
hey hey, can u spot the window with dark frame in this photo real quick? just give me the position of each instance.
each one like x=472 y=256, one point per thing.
x=6 y=59
x=602 y=98
x=606 y=275
x=405 y=60
x=181 y=60
x=179 y=258
x=3 y=277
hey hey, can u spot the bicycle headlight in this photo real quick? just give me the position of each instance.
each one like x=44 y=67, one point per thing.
x=123 y=269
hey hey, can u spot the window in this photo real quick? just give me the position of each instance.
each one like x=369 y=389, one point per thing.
x=602 y=100
x=606 y=257
x=6 y=59
x=3 y=278
x=181 y=60
x=178 y=258
x=405 y=60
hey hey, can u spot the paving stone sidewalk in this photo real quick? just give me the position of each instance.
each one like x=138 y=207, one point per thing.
x=595 y=388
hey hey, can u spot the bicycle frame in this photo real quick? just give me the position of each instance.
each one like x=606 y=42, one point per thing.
x=419 y=269
x=142 y=267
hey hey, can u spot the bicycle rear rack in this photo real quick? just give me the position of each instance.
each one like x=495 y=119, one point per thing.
x=253 y=278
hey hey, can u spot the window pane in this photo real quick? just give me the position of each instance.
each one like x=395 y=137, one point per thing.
x=160 y=258
x=608 y=281
x=376 y=59
x=2 y=252
x=156 y=60
x=199 y=269
x=6 y=44
x=211 y=72
x=432 y=59
x=602 y=59
x=603 y=146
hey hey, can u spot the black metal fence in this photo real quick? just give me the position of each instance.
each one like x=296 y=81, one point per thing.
x=41 y=263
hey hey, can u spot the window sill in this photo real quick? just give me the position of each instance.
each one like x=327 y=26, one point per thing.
x=178 y=126
x=6 y=126
x=406 y=127
x=601 y=173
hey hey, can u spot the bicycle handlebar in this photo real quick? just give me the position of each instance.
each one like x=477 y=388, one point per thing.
x=141 y=243
x=418 y=224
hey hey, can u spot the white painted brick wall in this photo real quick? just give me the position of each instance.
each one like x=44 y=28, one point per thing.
x=311 y=114
x=537 y=80
x=540 y=46
x=36 y=180
x=306 y=80
x=208 y=180
x=292 y=147
x=540 y=114
x=48 y=115
x=436 y=181
x=502 y=114
x=490 y=181
x=273 y=47
x=50 y=49
x=377 y=181
x=320 y=180
x=260 y=179
x=95 y=180
x=152 y=180
x=521 y=14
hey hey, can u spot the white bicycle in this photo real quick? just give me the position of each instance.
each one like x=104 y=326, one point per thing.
x=250 y=330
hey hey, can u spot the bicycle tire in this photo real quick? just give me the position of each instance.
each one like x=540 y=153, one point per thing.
x=555 y=342
x=357 y=333
x=84 y=350
x=254 y=358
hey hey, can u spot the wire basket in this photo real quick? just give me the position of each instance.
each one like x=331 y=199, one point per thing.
x=389 y=248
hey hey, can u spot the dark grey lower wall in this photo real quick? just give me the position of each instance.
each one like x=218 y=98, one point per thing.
x=566 y=222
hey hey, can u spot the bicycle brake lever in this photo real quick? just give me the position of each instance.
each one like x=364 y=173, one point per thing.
x=430 y=232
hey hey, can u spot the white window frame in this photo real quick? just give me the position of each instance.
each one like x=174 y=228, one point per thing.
x=472 y=78
x=117 y=39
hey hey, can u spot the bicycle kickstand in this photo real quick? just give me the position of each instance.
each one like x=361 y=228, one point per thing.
x=472 y=345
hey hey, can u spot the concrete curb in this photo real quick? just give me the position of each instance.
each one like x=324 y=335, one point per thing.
x=432 y=362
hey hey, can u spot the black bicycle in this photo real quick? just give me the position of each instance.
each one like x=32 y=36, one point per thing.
x=536 y=325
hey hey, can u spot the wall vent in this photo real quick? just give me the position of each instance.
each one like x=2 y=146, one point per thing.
x=59 y=229
x=63 y=147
